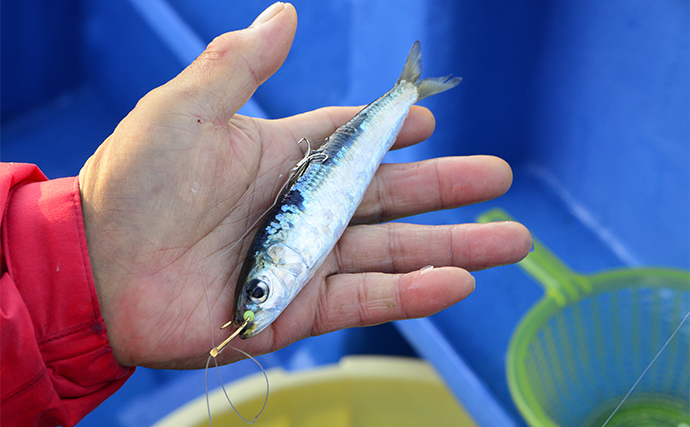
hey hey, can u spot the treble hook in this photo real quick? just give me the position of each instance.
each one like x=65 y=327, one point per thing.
x=309 y=155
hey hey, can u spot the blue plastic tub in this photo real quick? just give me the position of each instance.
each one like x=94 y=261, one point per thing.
x=587 y=100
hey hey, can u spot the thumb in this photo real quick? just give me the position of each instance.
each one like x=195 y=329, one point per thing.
x=234 y=64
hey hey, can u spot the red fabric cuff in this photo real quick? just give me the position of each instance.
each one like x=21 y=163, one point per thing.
x=67 y=363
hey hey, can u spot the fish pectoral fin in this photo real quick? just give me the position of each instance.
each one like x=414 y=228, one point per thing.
x=287 y=258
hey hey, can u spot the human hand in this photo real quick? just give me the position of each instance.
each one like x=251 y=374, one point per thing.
x=182 y=178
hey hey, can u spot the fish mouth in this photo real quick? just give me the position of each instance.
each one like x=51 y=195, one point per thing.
x=248 y=331
x=245 y=322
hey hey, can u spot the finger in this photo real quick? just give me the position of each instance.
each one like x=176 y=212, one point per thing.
x=317 y=125
x=352 y=300
x=234 y=64
x=401 y=248
x=400 y=190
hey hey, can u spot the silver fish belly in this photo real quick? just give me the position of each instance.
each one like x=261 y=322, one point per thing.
x=320 y=199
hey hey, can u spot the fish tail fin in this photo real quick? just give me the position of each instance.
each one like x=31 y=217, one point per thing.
x=426 y=87
x=434 y=85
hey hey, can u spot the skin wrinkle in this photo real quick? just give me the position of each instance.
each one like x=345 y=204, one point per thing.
x=253 y=174
x=337 y=255
x=286 y=129
x=222 y=246
x=387 y=203
x=397 y=249
x=186 y=322
x=202 y=105
x=257 y=80
x=217 y=206
x=178 y=128
x=362 y=303
x=400 y=304
x=388 y=263
x=167 y=328
x=378 y=207
x=219 y=222
x=164 y=328
x=214 y=300
x=325 y=309
x=237 y=96
x=320 y=315
x=275 y=337
x=451 y=248
x=439 y=186
x=466 y=237
x=207 y=111
x=215 y=256
x=294 y=137
x=171 y=262
x=216 y=173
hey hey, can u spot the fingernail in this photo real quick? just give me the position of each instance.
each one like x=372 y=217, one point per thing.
x=269 y=13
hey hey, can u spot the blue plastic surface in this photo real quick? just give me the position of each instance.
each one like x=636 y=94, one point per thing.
x=587 y=100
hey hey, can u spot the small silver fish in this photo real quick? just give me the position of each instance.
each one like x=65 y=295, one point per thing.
x=321 y=196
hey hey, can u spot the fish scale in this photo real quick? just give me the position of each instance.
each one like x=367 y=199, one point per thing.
x=320 y=199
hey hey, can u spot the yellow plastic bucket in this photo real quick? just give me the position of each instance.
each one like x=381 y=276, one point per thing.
x=359 y=391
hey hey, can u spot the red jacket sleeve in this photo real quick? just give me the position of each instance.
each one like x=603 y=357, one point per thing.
x=57 y=364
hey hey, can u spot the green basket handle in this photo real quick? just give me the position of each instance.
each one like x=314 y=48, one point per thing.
x=559 y=282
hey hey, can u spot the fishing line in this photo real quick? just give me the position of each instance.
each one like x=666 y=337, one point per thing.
x=646 y=369
x=219 y=350
x=208 y=404
x=215 y=351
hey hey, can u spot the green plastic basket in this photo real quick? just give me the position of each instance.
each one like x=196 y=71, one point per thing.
x=576 y=353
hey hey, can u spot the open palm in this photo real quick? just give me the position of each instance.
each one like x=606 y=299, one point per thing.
x=170 y=196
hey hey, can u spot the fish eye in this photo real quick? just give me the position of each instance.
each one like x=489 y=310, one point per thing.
x=257 y=290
